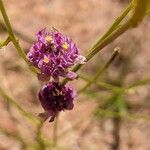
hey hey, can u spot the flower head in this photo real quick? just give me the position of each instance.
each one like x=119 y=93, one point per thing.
x=55 y=97
x=54 y=53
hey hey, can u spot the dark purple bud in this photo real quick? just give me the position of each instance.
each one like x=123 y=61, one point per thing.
x=55 y=97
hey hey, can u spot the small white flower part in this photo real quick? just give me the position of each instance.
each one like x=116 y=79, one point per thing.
x=81 y=59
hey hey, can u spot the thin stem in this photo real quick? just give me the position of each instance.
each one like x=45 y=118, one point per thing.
x=140 y=9
x=100 y=84
x=115 y=88
x=139 y=83
x=100 y=71
x=4 y=43
x=39 y=139
x=113 y=114
x=105 y=40
x=148 y=11
x=16 y=105
x=115 y=24
x=132 y=22
x=18 y=33
x=15 y=136
x=109 y=39
x=13 y=38
x=55 y=138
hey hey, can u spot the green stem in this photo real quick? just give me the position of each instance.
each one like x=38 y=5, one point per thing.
x=113 y=114
x=105 y=42
x=115 y=24
x=101 y=84
x=55 y=139
x=18 y=33
x=40 y=141
x=16 y=105
x=148 y=11
x=15 y=136
x=107 y=38
x=4 y=43
x=100 y=71
x=13 y=38
x=140 y=9
x=139 y=83
x=115 y=34
x=115 y=88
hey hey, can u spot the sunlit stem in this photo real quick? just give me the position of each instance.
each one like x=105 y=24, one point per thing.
x=107 y=37
x=101 y=70
x=13 y=38
x=14 y=135
x=130 y=23
x=5 y=43
x=55 y=137
x=114 y=25
x=40 y=141
x=12 y=101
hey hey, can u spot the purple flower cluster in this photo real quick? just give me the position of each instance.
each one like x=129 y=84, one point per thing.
x=54 y=53
x=55 y=97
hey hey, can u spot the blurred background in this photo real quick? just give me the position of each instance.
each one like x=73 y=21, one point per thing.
x=102 y=118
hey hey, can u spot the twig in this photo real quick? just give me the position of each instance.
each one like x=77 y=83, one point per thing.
x=55 y=138
x=127 y=116
x=23 y=36
x=13 y=38
x=139 y=83
x=132 y=22
x=115 y=24
x=100 y=84
x=28 y=115
x=100 y=71
x=40 y=141
x=4 y=43
x=15 y=136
